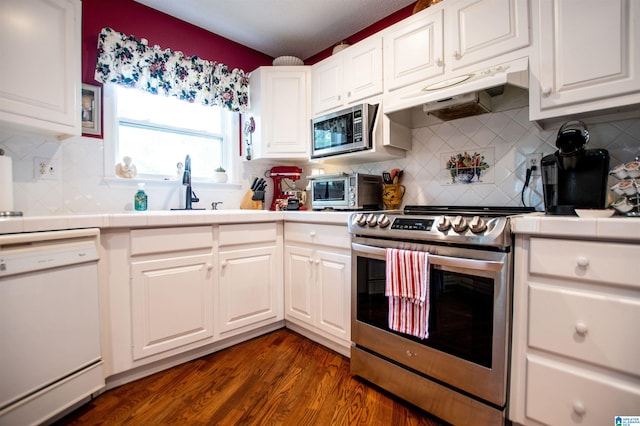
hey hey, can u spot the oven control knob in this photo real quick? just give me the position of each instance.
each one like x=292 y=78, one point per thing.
x=477 y=225
x=383 y=220
x=360 y=219
x=459 y=224
x=444 y=224
x=372 y=220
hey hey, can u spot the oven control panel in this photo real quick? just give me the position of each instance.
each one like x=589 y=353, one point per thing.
x=470 y=229
x=414 y=224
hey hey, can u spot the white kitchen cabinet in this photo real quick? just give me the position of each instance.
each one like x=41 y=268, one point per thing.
x=414 y=49
x=574 y=355
x=249 y=291
x=351 y=75
x=454 y=36
x=480 y=30
x=318 y=282
x=280 y=104
x=172 y=304
x=586 y=58
x=159 y=294
x=40 y=46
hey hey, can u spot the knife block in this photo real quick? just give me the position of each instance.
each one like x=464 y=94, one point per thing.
x=248 y=204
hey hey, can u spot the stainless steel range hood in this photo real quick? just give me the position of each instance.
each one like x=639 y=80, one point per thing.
x=494 y=89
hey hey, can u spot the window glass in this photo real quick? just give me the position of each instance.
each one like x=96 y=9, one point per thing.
x=157 y=132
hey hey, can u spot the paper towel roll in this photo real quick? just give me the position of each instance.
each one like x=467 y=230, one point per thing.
x=6 y=184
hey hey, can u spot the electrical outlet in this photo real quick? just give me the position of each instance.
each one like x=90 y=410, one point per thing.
x=534 y=159
x=46 y=168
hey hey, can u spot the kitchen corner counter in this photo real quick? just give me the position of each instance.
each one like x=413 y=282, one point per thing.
x=611 y=228
x=133 y=219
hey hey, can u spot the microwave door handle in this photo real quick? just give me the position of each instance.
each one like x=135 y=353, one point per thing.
x=434 y=259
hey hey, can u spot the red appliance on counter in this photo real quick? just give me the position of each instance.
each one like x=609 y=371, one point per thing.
x=278 y=174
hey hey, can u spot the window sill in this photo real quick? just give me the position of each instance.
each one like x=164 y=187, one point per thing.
x=167 y=182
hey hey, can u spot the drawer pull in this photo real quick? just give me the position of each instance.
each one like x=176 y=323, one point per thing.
x=581 y=328
x=583 y=262
x=578 y=408
x=312 y=234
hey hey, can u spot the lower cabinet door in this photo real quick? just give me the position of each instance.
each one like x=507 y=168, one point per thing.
x=172 y=303
x=298 y=283
x=333 y=293
x=248 y=291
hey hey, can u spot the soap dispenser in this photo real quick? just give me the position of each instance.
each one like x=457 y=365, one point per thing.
x=140 y=198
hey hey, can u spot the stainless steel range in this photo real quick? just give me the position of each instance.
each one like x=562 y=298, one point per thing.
x=459 y=372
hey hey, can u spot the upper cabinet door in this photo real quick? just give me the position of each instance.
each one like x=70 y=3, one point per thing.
x=482 y=29
x=363 y=70
x=281 y=107
x=587 y=56
x=327 y=84
x=414 y=49
x=40 y=50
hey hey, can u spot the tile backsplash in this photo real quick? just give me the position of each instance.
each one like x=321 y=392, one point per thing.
x=509 y=136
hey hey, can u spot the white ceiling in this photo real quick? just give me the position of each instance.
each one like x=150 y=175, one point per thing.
x=299 y=28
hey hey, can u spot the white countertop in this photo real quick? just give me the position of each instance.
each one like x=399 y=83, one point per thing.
x=610 y=228
x=134 y=219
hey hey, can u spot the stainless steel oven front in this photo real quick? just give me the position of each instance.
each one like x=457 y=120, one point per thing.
x=460 y=371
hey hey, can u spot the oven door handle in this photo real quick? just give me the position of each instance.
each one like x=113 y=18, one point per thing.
x=434 y=259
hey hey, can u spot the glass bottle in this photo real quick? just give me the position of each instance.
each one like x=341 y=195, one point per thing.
x=140 y=199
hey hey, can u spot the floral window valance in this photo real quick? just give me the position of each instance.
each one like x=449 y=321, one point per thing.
x=129 y=62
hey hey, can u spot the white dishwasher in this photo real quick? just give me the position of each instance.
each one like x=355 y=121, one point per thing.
x=50 y=355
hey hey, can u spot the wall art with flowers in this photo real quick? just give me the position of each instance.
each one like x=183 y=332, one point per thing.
x=468 y=167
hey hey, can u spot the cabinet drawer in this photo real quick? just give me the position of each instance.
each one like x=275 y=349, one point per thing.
x=596 y=328
x=558 y=394
x=585 y=261
x=162 y=240
x=327 y=235
x=248 y=233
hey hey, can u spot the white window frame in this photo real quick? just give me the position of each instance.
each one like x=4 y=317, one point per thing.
x=231 y=150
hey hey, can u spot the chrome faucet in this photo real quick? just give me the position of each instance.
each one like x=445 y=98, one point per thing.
x=190 y=196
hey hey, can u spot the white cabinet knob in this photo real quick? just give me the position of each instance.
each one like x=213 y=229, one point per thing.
x=209 y=266
x=310 y=260
x=582 y=262
x=439 y=62
x=546 y=91
x=581 y=328
x=457 y=55
x=578 y=408
x=223 y=264
x=317 y=261
x=312 y=234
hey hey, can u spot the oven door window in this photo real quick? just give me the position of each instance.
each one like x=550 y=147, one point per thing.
x=332 y=190
x=460 y=315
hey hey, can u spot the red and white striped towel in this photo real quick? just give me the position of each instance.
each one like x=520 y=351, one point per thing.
x=407 y=287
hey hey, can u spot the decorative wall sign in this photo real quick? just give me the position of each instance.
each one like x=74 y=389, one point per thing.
x=468 y=167
x=91 y=116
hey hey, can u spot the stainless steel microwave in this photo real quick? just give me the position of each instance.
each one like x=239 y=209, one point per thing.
x=341 y=191
x=344 y=131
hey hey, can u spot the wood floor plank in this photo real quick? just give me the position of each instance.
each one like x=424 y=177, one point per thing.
x=280 y=378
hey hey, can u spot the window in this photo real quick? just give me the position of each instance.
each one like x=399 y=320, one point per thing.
x=157 y=132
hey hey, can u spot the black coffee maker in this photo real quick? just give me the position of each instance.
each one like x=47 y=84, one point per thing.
x=574 y=177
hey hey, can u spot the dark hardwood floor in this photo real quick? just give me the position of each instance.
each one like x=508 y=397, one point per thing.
x=281 y=378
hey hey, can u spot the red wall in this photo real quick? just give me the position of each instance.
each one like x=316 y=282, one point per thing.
x=132 y=18
x=378 y=26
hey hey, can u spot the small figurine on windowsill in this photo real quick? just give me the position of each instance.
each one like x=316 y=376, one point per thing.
x=126 y=170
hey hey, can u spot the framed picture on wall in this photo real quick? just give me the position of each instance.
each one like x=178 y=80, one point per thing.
x=90 y=110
